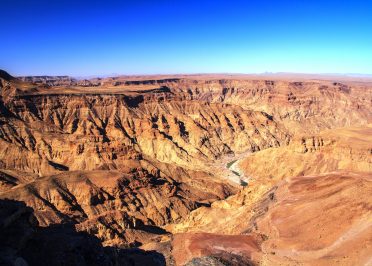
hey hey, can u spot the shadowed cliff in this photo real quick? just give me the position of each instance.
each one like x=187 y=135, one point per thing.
x=23 y=242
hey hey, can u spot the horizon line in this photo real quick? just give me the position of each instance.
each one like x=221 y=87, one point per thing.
x=347 y=74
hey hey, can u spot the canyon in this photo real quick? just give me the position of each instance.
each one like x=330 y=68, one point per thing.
x=185 y=170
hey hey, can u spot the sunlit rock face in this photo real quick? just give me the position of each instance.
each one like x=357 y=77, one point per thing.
x=206 y=164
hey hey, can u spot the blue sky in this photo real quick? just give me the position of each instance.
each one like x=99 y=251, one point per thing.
x=151 y=37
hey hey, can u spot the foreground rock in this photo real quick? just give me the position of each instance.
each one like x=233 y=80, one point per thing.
x=311 y=220
x=119 y=208
x=23 y=242
x=319 y=220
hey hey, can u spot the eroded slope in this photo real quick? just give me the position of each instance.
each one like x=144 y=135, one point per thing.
x=143 y=163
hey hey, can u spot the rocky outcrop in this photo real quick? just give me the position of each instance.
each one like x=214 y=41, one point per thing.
x=12 y=178
x=6 y=76
x=48 y=81
x=212 y=249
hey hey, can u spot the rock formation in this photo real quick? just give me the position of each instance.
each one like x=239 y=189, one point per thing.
x=144 y=162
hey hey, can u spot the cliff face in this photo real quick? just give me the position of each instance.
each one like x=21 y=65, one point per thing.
x=184 y=122
x=347 y=149
x=50 y=133
x=134 y=161
x=302 y=107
